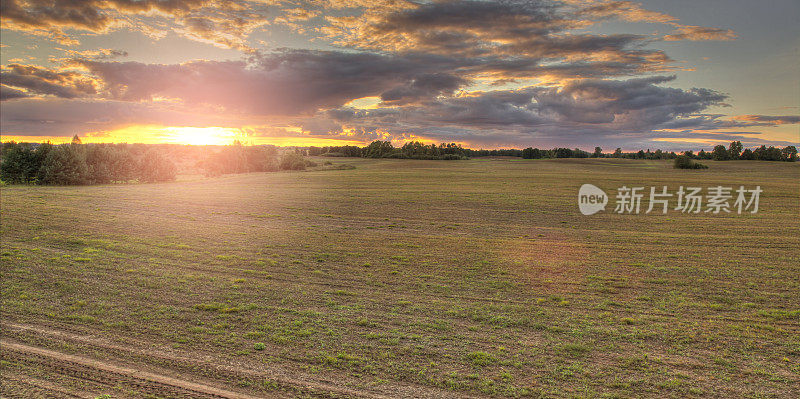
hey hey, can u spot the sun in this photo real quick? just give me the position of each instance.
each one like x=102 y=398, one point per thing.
x=213 y=135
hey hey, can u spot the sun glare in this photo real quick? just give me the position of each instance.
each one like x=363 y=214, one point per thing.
x=147 y=134
x=202 y=135
x=187 y=135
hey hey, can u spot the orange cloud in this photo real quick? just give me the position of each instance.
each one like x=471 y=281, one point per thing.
x=767 y=119
x=699 y=33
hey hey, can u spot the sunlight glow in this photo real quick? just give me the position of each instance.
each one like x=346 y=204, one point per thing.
x=155 y=134
x=202 y=135
x=187 y=135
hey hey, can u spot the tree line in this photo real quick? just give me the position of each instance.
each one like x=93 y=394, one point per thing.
x=417 y=150
x=736 y=151
x=385 y=149
x=79 y=164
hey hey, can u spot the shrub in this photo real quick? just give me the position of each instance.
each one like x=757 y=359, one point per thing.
x=259 y=346
x=292 y=161
x=684 y=162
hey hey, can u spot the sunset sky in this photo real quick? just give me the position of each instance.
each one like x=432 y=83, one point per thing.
x=678 y=74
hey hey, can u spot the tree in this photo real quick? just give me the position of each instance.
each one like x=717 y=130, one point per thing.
x=65 y=165
x=735 y=149
x=789 y=153
x=617 y=153
x=598 y=152
x=42 y=152
x=684 y=162
x=123 y=168
x=772 y=154
x=527 y=153
x=378 y=149
x=720 y=153
x=155 y=167
x=292 y=161
x=19 y=163
x=747 y=154
x=100 y=161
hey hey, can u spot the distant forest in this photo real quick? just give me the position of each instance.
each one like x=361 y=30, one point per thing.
x=77 y=163
x=417 y=150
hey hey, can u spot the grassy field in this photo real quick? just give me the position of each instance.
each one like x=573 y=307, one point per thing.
x=409 y=278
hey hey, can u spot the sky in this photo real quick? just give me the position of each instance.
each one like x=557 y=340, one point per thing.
x=674 y=75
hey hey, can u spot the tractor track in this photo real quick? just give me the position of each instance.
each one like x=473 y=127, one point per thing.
x=15 y=386
x=110 y=375
x=284 y=383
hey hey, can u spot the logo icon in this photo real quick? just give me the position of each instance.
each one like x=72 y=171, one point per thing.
x=591 y=199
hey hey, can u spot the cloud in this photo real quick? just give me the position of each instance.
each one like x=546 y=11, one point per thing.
x=428 y=63
x=423 y=87
x=223 y=23
x=624 y=10
x=309 y=88
x=769 y=120
x=42 y=81
x=634 y=104
x=699 y=33
x=8 y=93
x=44 y=14
x=93 y=54
x=503 y=40
x=282 y=83
x=474 y=28
x=581 y=112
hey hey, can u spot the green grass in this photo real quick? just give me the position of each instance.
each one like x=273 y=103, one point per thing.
x=474 y=277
